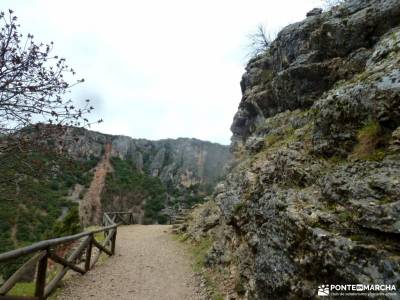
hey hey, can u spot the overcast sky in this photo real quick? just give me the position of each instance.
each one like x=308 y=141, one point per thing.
x=157 y=69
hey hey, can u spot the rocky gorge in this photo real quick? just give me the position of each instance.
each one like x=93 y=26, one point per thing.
x=313 y=194
x=67 y=179
x=175 y=174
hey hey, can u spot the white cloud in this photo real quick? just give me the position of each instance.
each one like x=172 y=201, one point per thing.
x=157 y=69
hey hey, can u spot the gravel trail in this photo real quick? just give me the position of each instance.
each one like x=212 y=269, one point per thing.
x=148 y=265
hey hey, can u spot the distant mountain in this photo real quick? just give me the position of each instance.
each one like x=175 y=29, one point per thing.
x=144 y=176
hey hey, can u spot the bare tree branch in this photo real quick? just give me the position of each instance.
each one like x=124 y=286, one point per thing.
x=328 y=4
x=32 y=84
x=259 y=41
x=33 y=104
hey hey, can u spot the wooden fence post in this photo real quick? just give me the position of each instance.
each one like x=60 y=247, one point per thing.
x=41 y=277
x=113 y=241
x=88 y=253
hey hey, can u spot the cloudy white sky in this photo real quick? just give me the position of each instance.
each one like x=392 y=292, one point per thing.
x=157 y=69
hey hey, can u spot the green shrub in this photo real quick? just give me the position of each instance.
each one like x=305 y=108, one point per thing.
x=194 y=199
x=238 y=207
x=162 y=219
x=345 y=216
x=69 y=225
x=31 y=199
x=136 y=187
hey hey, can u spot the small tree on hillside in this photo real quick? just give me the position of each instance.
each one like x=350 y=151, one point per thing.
x=327 y=4
x=258 y=42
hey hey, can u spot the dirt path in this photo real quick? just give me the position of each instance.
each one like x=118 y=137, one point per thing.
x=148 y=265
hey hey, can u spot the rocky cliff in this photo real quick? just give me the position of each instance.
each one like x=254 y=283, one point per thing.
x=183 y=162
x=186 y=171
x=313 y=196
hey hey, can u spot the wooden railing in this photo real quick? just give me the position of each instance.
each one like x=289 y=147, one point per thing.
x=120 y=216
x=80 y=260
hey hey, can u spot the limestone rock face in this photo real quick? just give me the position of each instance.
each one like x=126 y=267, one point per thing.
x=395 y=143
x=309 y=57
x=313 y=196
x=182 y=162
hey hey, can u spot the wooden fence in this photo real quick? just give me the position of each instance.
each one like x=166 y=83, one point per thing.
x=80 y=260
x=122 y=217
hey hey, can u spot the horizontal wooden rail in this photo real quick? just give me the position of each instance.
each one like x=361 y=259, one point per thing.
x=8 y=285
x=80 y=260
x=49 y=243
x=66 y=263
x=123 y=217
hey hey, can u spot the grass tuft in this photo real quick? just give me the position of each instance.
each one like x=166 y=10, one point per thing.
x=23 y=289
x=368 y=139
x=198 y=251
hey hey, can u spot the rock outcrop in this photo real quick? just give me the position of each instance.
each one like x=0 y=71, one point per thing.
x=313 y=196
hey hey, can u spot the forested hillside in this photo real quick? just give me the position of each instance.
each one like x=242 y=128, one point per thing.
x=34 y=197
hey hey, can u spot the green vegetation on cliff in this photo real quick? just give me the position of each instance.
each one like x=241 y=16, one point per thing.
x=135 y=188
x=33 y=197
x=127 y=188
